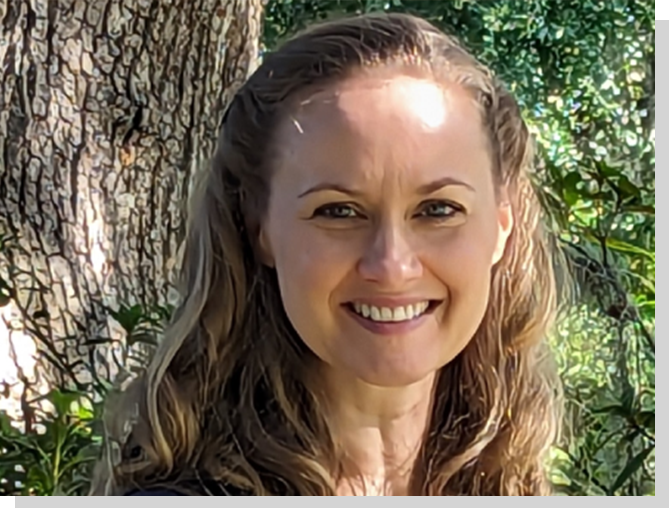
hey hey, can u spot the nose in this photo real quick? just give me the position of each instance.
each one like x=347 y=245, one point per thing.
x=390 y=260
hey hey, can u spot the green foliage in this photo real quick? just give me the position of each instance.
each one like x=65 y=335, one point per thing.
x=51 y=450
x=54 y=455
x=583 y=72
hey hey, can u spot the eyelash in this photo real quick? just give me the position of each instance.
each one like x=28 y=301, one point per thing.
x=325 y=211
x=454 y=209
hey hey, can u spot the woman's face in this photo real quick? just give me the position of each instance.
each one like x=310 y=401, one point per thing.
x=383 y=226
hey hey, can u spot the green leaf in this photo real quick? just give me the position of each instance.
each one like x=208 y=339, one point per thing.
x=571 y=180
x=623 y=246
x=643 y=209
x=646 y=419
x=627 y=187
x=631 y=468
x=128 y=317
x=613 y=410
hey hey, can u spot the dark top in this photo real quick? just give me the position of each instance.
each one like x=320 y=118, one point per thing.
x=155 y=492
x=205 y=488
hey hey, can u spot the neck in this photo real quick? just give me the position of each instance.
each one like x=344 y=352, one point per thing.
x=379 y=431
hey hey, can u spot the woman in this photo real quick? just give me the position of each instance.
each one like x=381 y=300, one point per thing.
x=367 y=287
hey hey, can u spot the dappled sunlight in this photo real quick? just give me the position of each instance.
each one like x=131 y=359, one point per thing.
x=18 y=362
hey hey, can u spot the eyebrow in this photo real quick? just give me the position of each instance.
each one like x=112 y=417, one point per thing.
x=446 y=181
x=330 y=187
x=428 y=188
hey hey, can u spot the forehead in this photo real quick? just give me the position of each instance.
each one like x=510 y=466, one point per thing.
x=380 y=123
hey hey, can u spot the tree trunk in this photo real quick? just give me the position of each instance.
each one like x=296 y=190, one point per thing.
x=107 y=109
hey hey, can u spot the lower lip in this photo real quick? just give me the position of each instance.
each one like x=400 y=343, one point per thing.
x=388 y=327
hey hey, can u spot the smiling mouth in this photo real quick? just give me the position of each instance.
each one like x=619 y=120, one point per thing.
x=398 y=314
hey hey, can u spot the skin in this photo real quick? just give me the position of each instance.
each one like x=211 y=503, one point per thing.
x=383 y=192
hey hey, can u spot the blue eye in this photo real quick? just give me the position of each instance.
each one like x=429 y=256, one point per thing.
x=336 y=211
x=439 y=210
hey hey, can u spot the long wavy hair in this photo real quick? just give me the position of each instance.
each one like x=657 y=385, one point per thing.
x=226 y=403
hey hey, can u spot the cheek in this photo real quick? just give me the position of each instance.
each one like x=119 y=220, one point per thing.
x=310 y=266
x=463 y=262
x=467 y=251
x=310 y=269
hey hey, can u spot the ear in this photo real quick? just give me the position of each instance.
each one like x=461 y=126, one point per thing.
x=264 y=249
x=505 y=223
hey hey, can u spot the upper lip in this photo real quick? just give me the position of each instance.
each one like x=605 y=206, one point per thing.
x=383 y=301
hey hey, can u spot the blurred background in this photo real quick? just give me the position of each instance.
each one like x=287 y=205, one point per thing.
x=109 y=107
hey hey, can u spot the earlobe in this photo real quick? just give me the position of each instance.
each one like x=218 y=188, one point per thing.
x=505 y=226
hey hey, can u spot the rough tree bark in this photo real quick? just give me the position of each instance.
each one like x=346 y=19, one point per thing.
x=106 y=109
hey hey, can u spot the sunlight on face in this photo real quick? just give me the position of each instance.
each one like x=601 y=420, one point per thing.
x=427 y=102
x=383 y=226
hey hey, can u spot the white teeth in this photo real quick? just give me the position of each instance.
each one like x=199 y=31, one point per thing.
x=399 y=314
x=396 y=314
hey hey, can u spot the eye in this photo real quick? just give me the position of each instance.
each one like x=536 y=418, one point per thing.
x=439 y=210
x=337 y=211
